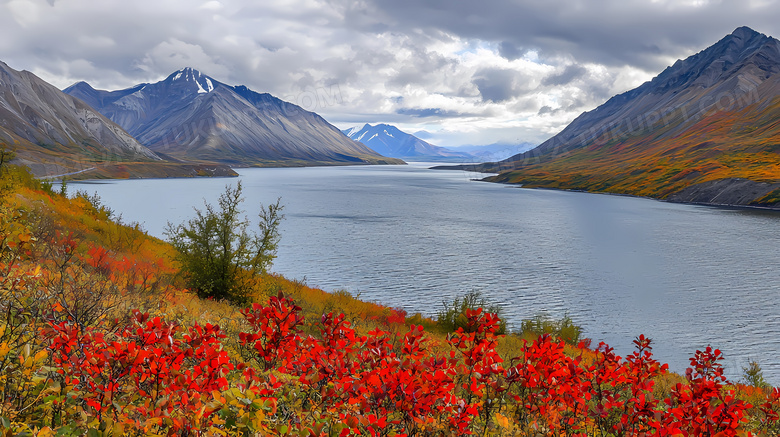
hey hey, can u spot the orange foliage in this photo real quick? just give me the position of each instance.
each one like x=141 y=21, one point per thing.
x=76 y=357
x=736 y=144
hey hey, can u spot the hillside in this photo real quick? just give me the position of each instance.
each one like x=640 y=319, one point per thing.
x=191 y=117
x=704 y=130
x=55 y=135
x=390 y=141
x=53 y=132
x=98 y=338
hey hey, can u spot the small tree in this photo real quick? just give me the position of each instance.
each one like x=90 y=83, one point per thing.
x=6 y=156
x=219 y=256
x=453 y=314
x=752 y=375
x=6 y=185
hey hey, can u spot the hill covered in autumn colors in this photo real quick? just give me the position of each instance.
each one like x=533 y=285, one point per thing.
x=98 y=337
x=705 y=130
x=55 y=134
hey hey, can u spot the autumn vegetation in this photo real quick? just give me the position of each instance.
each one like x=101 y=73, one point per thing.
x=739 y=143
x=100 y=336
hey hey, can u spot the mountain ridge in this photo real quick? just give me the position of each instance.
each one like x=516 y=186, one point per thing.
x=191 y=116
x=388 y=140
x=707 y=118
x=53 y=132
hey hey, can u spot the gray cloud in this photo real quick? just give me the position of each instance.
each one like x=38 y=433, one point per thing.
x=437 y=65
x=510 y=51
x=611 y=32
x=432 y=112
x=497 y=85
x=569 y=74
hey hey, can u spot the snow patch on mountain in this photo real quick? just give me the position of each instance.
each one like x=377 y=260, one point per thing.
x=390 y=141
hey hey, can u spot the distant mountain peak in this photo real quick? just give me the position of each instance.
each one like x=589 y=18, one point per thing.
x=81 y=83
x=355 y=129
x=185 y=73
x=181 y=117
x=742 y=41
x=745 y=32
x=192 y=78
x=388 y=140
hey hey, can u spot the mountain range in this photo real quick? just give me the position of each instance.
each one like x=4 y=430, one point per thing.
x=55 y=133
x=189 y=116
x=705 y=130
x=388 y=140
x=496 y=151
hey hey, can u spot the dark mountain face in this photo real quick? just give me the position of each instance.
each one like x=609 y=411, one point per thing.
x=733 y=73
x=711 y=117
x=190 y=116
x=390 y=141
x=53 y=132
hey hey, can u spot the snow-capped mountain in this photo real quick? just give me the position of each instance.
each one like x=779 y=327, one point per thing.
x=201 y=84
x=496 y=151
x=191 y=116
x=388 y=140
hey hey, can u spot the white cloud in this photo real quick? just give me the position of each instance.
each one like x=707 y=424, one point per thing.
x=496 y=70
x=172 y=55
x=213 y=5
x=96 y=42
x=25 y=12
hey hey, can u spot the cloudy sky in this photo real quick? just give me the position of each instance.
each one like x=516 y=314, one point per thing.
x=457 y=71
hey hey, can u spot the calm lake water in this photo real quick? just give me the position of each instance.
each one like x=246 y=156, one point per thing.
x=405 y=236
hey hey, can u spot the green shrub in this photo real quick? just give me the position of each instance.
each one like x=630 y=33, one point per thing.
x=219 y=257
x=565 y=329
x=14 y=176
x=752 y=375
x=95 y=202
x=453 y=314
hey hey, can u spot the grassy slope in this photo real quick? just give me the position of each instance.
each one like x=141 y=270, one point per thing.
x=142 y=275
x=89 y=161
x=739 y=144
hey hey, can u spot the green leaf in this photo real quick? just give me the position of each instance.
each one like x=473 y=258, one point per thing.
x=68 y=430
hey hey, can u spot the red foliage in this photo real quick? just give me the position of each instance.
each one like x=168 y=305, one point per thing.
x=391 y=384
x=703 y=407
x=172 y=375
x=275 y=338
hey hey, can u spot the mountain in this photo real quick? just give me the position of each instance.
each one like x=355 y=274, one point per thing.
x=390 y=141
x=495 y=151
x=192 y=117
x=705 y=130
x=54 y=133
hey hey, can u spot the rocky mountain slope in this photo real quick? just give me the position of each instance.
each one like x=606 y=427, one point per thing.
x=390 y=141
x=190 y=116
x=705 y=130
x=54 y=133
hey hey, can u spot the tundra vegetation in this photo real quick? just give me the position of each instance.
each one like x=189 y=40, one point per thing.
x=102 y=334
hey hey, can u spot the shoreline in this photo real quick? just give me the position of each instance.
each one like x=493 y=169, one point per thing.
x=677 y=202
x=218 y=171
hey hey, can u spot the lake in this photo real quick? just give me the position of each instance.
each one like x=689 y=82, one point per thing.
x=405 y=236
